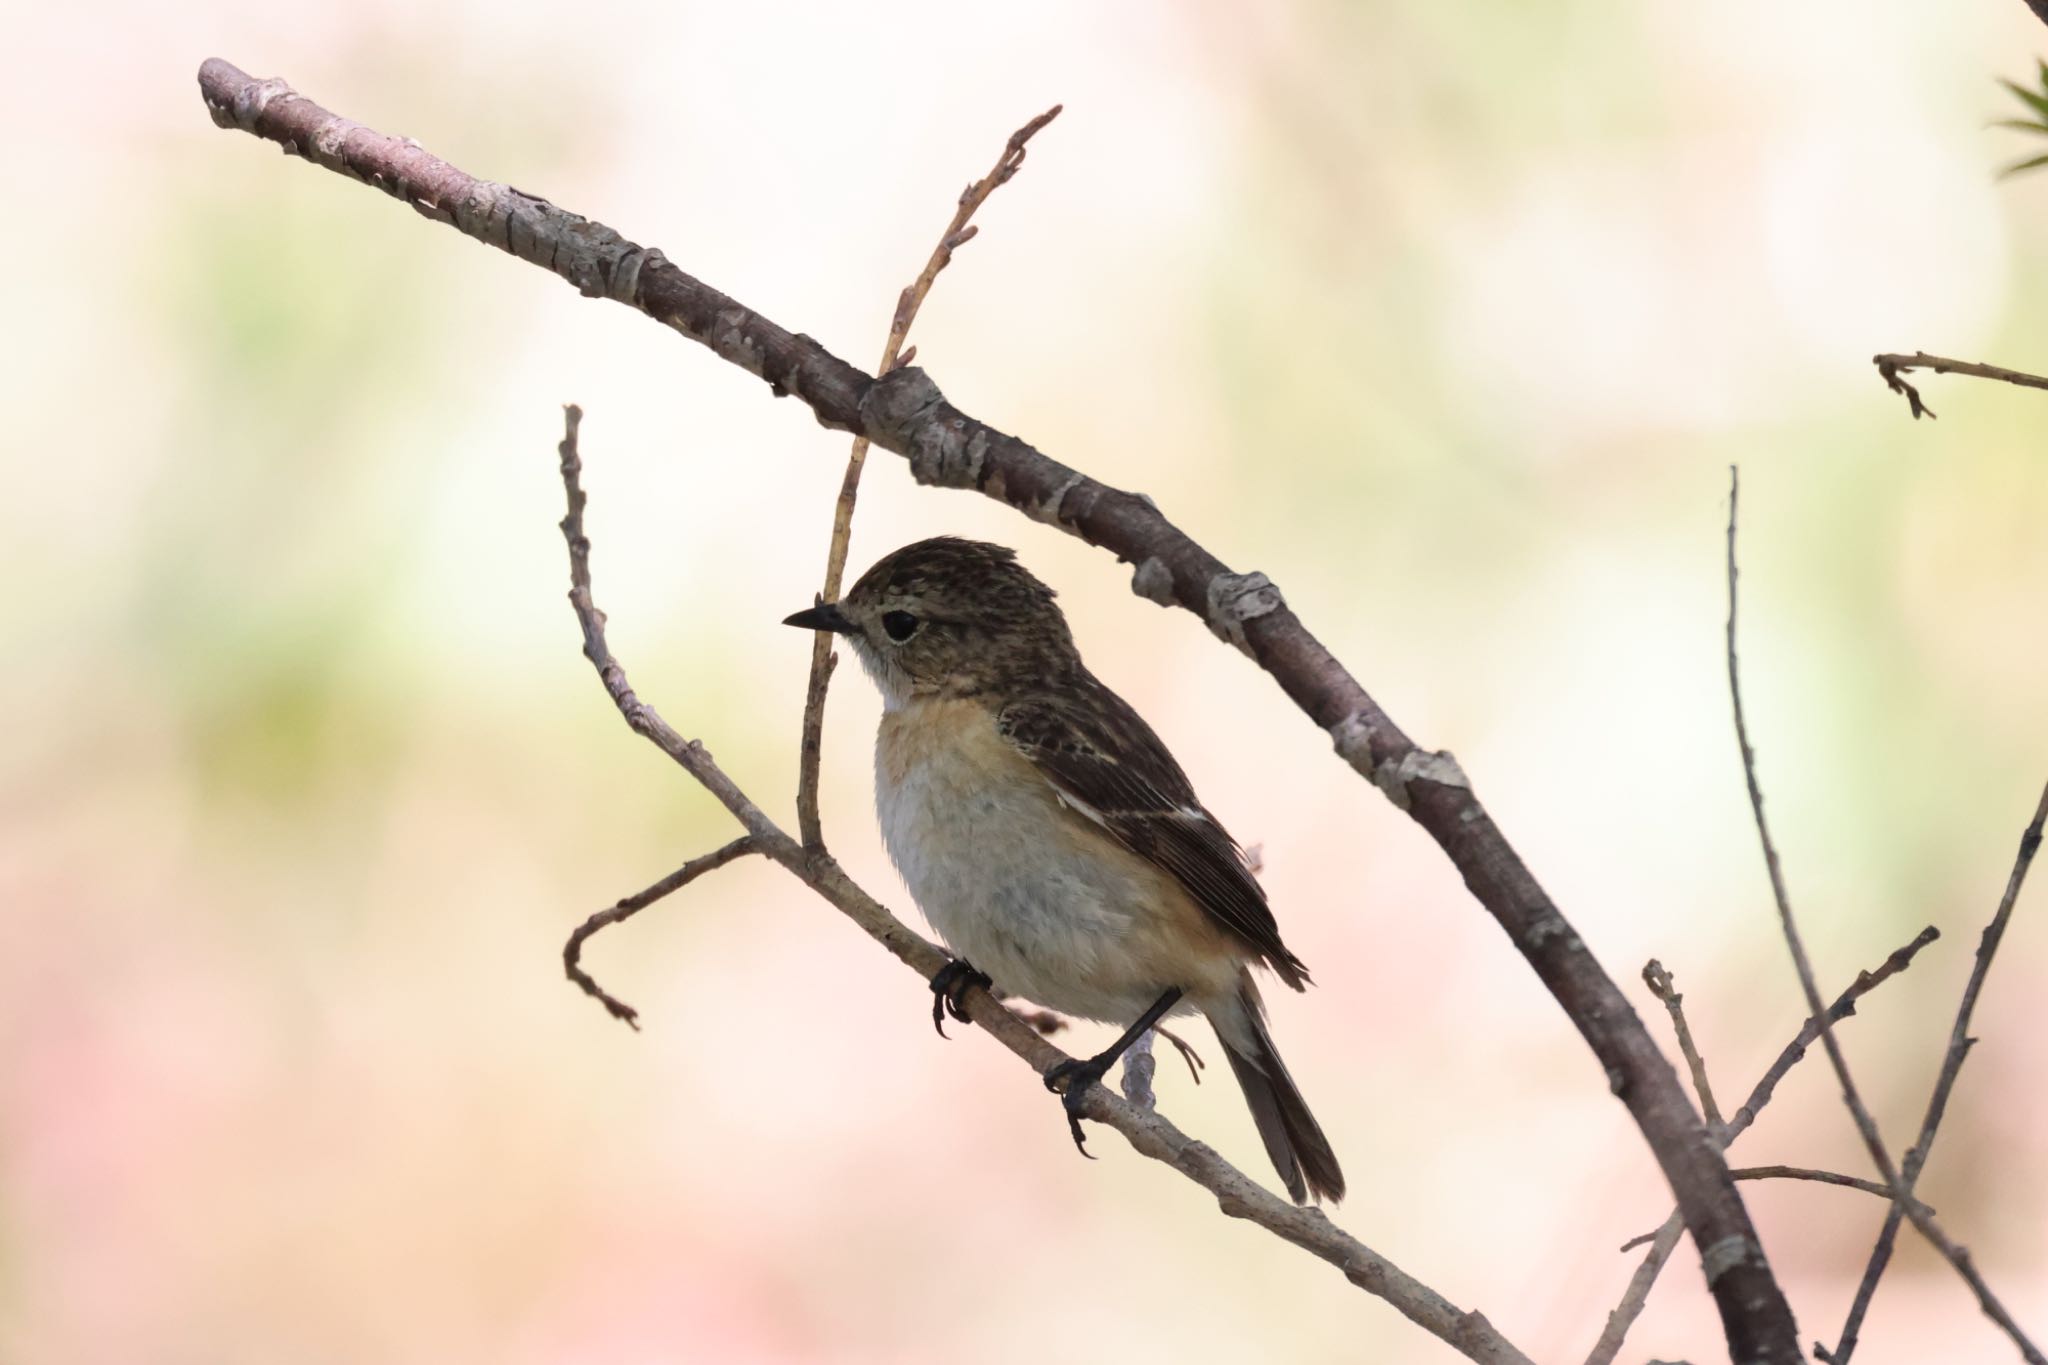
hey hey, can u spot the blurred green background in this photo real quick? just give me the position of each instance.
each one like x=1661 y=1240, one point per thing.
x=1451 y=318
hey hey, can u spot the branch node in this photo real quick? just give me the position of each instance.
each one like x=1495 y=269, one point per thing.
x=1393 y=776
x=1235 y=598
x=1153 y=581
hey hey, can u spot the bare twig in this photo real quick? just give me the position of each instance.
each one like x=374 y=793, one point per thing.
x=905 y=412
x=1786 y=921
x=1665 y=1239
x=1844 y=1006
x=1663 y=1242
x=1781 y=1173
x=1959 y=1044
x=1893 y=368
x=1661 y=985
x=1847 y=1182
x=1880 y=1156
x=1236 y=1193
x=957 y=233
x=572 y=951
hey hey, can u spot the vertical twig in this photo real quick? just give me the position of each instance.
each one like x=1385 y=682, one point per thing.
x=1865 y=1125
x=1958 y=1256
x=1959 y=1044
x=957 y=233
x=1662 y=985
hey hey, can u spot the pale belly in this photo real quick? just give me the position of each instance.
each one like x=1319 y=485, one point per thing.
x=1020 y=885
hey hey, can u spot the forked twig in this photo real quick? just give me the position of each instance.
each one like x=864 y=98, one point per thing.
x=958 y=232
x=1893 y=368
x=1880 y=1156
x=1665 y=1239
x=1959 y=1044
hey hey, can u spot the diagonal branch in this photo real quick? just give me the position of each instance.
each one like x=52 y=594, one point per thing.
x=1665 y=1239
x=957 y=233
x=1866 y=1126
x=1959 y=1044
x=904 y=411
x=1892 y=368
x=1236 y=1193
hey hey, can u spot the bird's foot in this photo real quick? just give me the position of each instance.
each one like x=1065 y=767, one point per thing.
x=1070 y=1081
x=949 y=989
x=1187 y=1052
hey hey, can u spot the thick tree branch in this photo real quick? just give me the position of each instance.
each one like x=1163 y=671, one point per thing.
x=1959 y=1044
x=1236 y=1193
x=904 y=411
x=1665 y=1239
x=1892 y=369
x=957 y=233
x=1866 y=1126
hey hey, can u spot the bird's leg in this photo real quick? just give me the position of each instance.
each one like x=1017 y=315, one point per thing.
x=949 y=986
x=1076 y=1076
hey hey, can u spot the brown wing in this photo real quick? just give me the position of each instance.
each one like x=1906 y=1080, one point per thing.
x=1106 y=763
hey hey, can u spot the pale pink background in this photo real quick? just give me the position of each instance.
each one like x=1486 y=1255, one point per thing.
x=1449 y=317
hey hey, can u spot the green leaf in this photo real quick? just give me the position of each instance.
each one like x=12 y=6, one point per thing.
x=2038 y=103
x=2023 y=125
x=2029 y=164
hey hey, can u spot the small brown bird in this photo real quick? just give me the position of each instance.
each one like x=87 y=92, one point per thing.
x=1052 y=840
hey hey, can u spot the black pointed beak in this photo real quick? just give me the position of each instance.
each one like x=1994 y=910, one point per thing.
x=822 y=617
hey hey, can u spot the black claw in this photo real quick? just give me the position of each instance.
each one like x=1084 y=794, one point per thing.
x=1077 y=1076
x=1080 y=1143
x=949 y=984
x=1071 y=1078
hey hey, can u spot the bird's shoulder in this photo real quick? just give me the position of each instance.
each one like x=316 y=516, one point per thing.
x=1110 y=766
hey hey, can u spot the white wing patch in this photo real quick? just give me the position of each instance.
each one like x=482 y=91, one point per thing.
x=1075 y=803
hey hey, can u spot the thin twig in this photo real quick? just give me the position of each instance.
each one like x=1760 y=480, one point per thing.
x=1237 y=1194
x=1844 y=1006
x=1847 y=1182
x=1892 y=369
x=1665 y=1239
x=1662 y=985
x=1636 y=1296
x=572 y=951
x=1958 y=1256
x=1959 y=1044
x=644 y=719
x=1786 y=920
x=1852 y=1182
x=958 y=232
x=905 y=412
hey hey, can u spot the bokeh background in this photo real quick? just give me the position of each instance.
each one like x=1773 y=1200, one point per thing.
x=1450 y=317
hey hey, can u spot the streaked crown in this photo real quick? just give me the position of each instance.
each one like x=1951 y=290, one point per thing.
x=955 y=617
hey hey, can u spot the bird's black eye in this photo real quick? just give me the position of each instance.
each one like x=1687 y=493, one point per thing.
x=901 y=625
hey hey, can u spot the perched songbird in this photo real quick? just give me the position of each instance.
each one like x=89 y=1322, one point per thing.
x=1049 y=836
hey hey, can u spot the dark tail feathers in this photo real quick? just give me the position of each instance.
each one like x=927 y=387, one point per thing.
x=1295 y=1142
